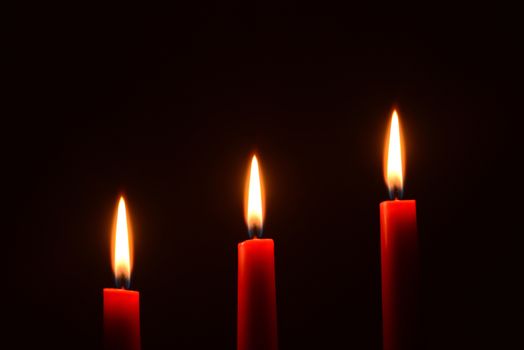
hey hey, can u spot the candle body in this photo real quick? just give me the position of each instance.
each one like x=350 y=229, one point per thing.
x=400 y=274
x=257 y=313
x=121 y=319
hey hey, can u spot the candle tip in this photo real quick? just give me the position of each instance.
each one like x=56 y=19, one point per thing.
x=255 y=232
x=122 y=282
x=396 y=193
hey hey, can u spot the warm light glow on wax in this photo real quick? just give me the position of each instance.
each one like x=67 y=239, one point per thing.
x=254 y=202
x=122 y=247
x=394 y=173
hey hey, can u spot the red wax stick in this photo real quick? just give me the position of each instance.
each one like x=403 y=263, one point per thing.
x=400 y=274
x=257 y=312
x=121 y=319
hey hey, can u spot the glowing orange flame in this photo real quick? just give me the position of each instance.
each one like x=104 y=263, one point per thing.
x=254 y=201
x=394 y=158
x=122 y=245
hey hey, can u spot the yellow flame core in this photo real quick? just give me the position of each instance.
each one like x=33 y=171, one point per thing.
x=394 y=172
x=122 y=261
x=254 y=212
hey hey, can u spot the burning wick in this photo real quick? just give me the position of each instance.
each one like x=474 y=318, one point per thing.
x=394 y=166
x=122 y=260
x=254 y=201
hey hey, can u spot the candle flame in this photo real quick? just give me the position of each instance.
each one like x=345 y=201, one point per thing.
x=122 y=247
x=254 y=204
x=394 y=159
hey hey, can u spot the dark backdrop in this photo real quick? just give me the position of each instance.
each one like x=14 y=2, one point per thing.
x=167 y=106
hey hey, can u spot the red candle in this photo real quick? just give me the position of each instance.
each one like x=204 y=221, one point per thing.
x=399 y=254
x=257 y=311
x=121 y=306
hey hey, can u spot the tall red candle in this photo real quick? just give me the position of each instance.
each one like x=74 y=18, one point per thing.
x=399 y=254
x=121 y=306
x=257 y=312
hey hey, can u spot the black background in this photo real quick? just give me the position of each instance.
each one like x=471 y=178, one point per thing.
x=167 y=106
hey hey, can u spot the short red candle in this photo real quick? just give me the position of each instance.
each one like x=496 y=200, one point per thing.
x=121 y=319
x=121 y=307
x=399 y=254
x=400 y=273
x=257 y=307
x=257 y=312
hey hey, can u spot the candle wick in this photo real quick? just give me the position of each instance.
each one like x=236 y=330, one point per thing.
x=122 y=282
x=255 y=232
x=395 y=193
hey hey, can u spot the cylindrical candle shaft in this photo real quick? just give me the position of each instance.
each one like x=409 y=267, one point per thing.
x=257 y=314
x=400 y=275
x=121 y=319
